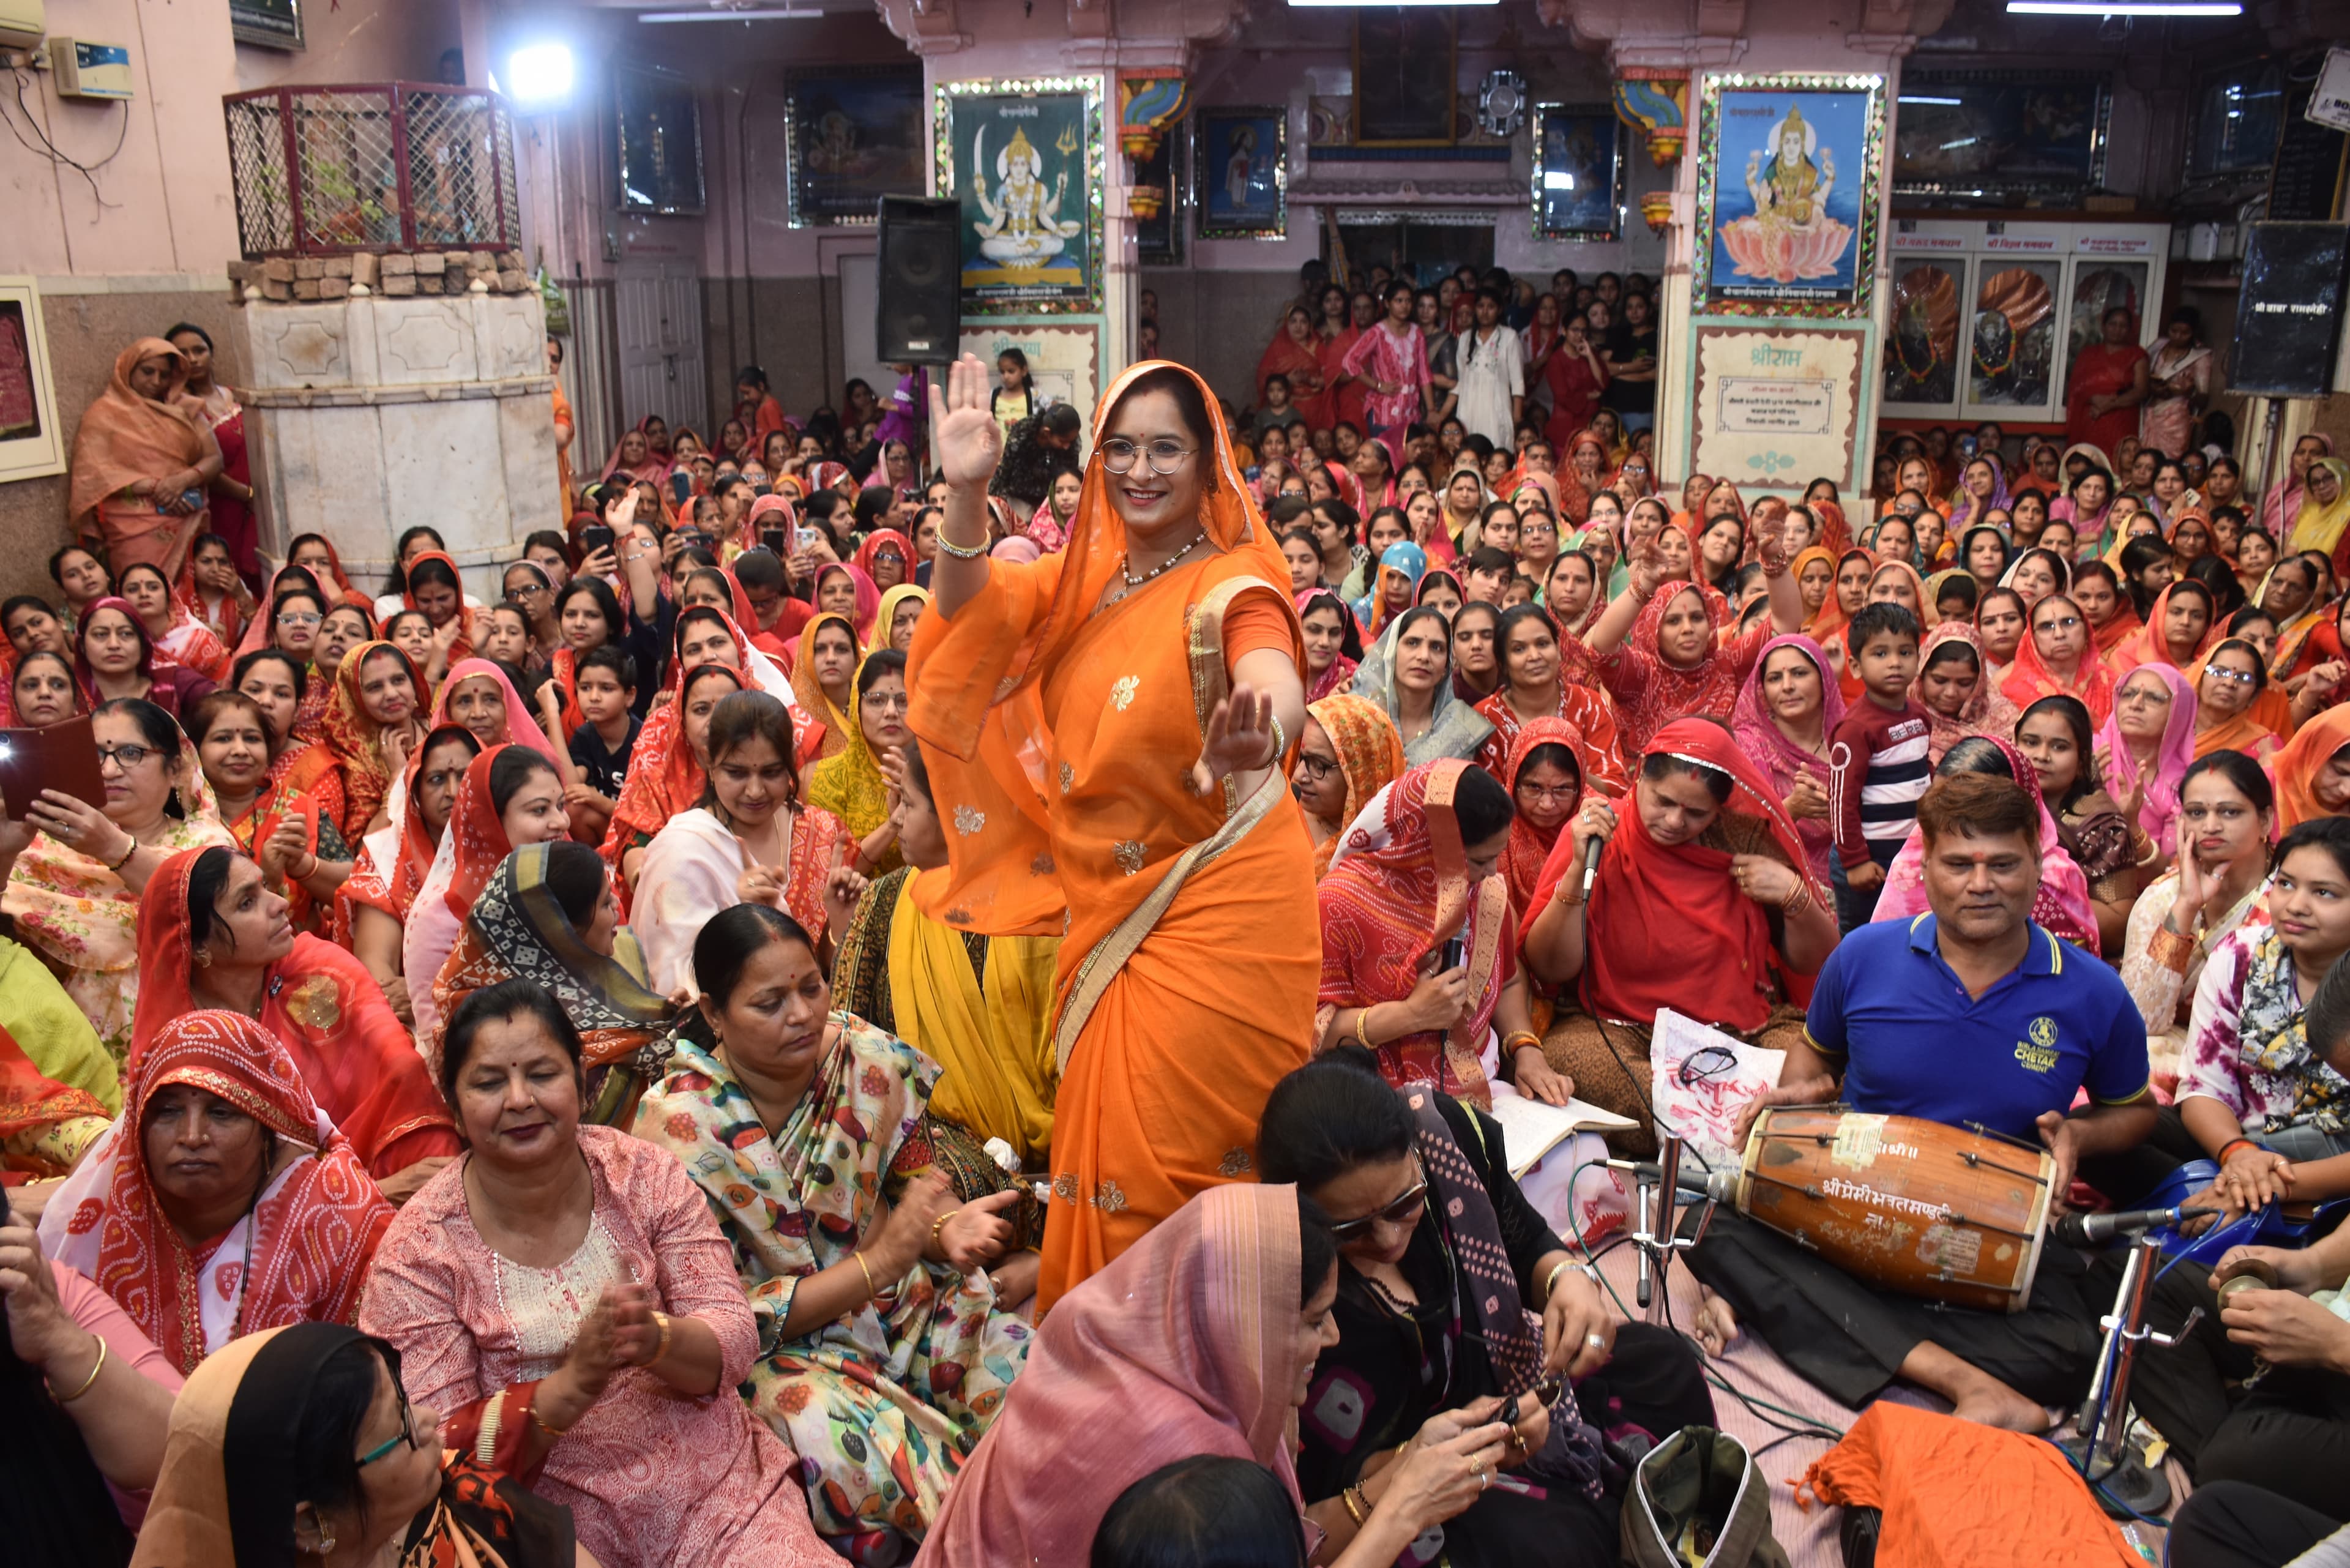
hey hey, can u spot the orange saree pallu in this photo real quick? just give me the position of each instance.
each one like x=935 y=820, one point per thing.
x=1060 y=740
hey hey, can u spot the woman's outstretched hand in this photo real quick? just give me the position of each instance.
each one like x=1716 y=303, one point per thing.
x=964 y=436
x=1240 y=739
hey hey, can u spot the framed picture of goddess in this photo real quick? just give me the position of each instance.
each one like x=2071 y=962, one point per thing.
x=1789 y=175
x=1024 y=159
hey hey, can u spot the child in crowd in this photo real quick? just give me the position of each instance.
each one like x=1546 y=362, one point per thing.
x=607 y=685
x=1877 y=766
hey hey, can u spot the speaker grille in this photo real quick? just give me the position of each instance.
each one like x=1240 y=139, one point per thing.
x=919 y=313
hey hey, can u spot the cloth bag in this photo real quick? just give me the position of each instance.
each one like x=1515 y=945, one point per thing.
x=1699 y=1500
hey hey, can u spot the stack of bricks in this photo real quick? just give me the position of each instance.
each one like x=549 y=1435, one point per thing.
x=397 y=273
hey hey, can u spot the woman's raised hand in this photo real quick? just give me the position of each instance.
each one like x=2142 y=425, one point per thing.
x=1240 y=737
x=964 y=436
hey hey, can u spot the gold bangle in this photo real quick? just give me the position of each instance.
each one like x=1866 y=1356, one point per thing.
x=1550 y=1282
x=870 y=1288
x=552 y=1431
x=1516 y=1037
x=962 y=552
x=660 y=1321
x=938 y=1224
x=1359 y=1507
x=1363 y=1028
x=88 y=1383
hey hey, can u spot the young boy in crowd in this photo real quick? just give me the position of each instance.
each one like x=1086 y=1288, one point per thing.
x=1877 y=766
x=1276 y=411
x=1486 y=573
x=600 y=748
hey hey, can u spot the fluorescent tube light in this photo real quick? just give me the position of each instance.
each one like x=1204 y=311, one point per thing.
x=2125 y=8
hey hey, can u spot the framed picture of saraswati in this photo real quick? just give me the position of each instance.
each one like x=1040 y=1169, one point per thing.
x=1023 y=160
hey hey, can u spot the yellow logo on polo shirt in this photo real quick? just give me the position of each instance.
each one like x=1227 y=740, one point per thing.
x=2039 y=1054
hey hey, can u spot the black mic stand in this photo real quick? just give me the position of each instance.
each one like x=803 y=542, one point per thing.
x=2100 y=1452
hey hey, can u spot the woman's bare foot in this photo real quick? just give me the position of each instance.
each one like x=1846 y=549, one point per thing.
x=1717 y=1326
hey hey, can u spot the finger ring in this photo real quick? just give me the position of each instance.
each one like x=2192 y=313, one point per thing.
x=1483 y=1480
x=1594 y=1341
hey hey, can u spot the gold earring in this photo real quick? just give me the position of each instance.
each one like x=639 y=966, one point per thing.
x=204 y=958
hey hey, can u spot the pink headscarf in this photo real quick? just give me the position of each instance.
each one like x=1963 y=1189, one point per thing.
x=1185 y=1345
x=1781 y=758
x=2157 y=811
x=522 y=728
x=2061 y=906
x=869 y=597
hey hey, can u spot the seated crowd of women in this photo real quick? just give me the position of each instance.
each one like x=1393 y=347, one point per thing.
x=488 y=1073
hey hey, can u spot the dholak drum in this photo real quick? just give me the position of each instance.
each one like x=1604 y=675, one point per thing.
x=1951 y=1214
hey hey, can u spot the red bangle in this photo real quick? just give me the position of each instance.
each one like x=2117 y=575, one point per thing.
x=2231 y=1146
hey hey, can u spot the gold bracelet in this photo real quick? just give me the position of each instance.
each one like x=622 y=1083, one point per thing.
x=939 y=1223
x=1359 y=1507
x=1363 y=1028
x=961 y=551
x=871 y=1289
x=660 y=1321
x=551 y=1431
x=1550 y=1282
x=96 y=1367
x=1510 y=1042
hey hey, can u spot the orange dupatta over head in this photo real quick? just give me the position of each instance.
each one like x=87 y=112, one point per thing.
x=1061 y=729
x=125 y=438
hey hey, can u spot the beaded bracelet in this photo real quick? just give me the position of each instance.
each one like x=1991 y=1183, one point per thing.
x=962 y=552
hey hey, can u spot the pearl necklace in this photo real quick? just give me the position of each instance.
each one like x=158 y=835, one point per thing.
x=1133 y=582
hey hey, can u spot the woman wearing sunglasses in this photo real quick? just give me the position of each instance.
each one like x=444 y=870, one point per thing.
x=299 y=1445
x=1419 y=1197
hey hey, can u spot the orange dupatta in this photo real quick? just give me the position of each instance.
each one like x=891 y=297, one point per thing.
x=2295 y=768
x=1060 y=729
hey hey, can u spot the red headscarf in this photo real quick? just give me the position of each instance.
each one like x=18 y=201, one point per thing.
x=393 y=888
x=1663 y=692
x=352 y=742
x=1530 y=846
x=870 y=551
x=152 y=663
x=1665 y=921
x=309 y=1238
x=480 y=834
x=2028 y=680
x=1397 y=888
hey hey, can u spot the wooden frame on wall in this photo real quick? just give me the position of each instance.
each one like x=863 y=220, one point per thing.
x=1400 y=100
x=1255 y=205
x=657 y=139
x=32 y=429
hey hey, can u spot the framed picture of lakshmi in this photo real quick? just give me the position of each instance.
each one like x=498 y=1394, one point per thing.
x=1789 y=173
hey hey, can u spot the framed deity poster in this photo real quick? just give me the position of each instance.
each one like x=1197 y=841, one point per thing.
x=1789 y=170
x=657 y=126
x=1024 y=159
x=856 y=137
x=1244 y=173
x=32 y=437
x=1578 y=173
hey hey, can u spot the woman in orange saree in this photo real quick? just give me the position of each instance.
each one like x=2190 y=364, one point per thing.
x=1112 y=723
x=142 y=459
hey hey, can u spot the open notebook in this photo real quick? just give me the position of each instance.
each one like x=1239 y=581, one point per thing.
x=1531 y=1129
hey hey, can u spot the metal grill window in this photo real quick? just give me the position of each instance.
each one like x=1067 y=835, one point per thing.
x=396 y=166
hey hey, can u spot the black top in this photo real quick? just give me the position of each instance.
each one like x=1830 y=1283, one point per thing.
x=1029 y=466
x=1626 y=343
x=602 y=769
x=1389 y=1370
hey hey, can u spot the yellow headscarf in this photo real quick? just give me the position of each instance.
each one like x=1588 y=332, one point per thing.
x=891 y=600
x=849 y=784
x=2317 y=527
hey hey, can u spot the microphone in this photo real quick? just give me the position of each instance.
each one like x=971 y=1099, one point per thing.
x=2091 y=1229
x=1591 y=848
x=1719 y=1185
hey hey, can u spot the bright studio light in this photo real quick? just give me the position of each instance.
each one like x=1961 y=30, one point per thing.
x=541 y=73
x=2125 y=8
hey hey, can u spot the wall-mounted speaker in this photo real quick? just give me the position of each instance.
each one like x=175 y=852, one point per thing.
x=919 y=302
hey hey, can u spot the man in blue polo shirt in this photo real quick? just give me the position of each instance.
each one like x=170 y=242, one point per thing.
x=1970 y=1014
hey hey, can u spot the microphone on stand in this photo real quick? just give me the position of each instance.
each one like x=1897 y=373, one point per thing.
x=2095 y=1230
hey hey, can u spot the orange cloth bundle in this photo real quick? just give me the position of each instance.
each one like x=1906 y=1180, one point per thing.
x=1954 y=1492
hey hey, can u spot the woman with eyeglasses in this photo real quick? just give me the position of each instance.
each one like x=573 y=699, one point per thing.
x=1349 y=752
x=2228 y=680
x=2143 y=749
x=530 y=590
x=76 y=873
x=297 y=1445
x=1154 y=671
x=1440 y=1258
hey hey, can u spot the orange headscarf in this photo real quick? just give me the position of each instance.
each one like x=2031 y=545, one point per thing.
x=2293 y=770
x=125 y=438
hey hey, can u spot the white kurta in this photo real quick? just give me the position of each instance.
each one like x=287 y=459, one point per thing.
x=1493 y=371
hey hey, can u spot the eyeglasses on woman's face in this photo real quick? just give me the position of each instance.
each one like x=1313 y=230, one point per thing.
x=407 y=1433
x=1117 y=455
x=125 y=758
x=1316 y=768
x=1396 y=1212
x=298 y=617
